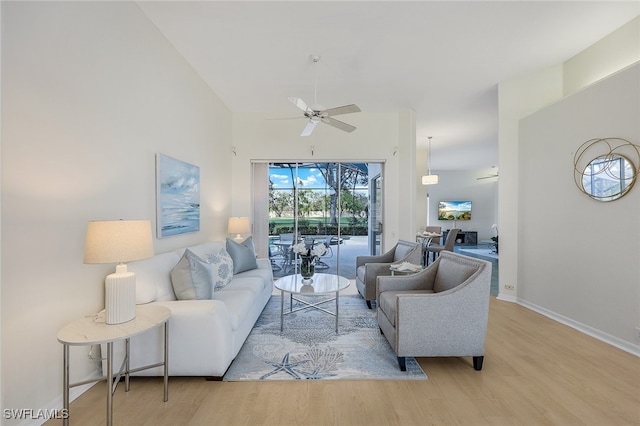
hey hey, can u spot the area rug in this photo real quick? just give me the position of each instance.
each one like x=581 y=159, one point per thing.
x=481 y=252
x=309 y=348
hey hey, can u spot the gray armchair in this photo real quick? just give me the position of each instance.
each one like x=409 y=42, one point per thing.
x=439 y=311
x=368 y=268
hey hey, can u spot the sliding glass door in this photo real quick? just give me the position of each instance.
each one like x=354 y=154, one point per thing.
x=319 y=203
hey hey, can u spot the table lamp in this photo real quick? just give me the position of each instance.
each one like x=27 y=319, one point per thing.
x=238 y=225
x=119 y=241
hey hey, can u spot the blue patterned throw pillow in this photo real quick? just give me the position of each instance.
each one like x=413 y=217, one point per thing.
x=221 y=269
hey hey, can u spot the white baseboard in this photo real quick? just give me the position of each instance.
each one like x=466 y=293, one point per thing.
x=586 y=329
x=56 y=404
x=507 y=298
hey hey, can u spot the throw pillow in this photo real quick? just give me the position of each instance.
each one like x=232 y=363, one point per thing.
x=221 y=268
x=191 y=278
x=243 y=255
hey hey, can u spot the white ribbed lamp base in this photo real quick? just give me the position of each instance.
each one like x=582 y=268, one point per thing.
x=120 y=296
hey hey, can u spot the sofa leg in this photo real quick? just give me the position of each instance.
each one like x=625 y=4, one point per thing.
x=477 y=362
x=369 y=304
x=402 y=363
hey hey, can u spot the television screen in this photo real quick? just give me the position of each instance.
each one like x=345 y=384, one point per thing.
x=454 y=210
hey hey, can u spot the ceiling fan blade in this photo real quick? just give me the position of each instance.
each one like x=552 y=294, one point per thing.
x=308 y=129
x=346 y=109
x=487 y=177
x=338 y=124
x=300 y=104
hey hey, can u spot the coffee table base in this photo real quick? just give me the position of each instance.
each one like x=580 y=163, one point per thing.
x=307 y=305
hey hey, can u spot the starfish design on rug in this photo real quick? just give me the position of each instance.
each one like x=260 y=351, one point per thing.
x=286 y=366
x=316 y=375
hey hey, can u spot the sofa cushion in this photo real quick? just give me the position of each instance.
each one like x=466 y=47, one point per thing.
x=253 y=284
x=243 y=255
x=221 y=268
x=239 y=303
x=264 y=273
x=192 y=278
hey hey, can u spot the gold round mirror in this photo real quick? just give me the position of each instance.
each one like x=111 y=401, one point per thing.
x=610 y=173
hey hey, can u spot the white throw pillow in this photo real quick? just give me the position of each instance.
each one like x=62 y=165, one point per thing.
x=192 y=278
x=221 y=268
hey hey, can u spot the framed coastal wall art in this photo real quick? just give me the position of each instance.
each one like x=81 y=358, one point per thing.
x=177 y=196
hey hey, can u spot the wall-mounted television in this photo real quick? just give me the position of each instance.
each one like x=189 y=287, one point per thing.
x=454 y=210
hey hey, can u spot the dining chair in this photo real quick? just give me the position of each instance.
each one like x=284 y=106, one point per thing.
x=435 y=249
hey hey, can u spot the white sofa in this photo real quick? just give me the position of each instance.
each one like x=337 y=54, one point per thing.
x=204 y=335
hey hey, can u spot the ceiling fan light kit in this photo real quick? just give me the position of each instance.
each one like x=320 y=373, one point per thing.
x=318 y=113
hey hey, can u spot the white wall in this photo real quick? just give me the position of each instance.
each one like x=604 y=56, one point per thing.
x=517 y=98
x=258 y=138
x=578 y=258
x=460 y=185
x=614 y=52
x=90 y=93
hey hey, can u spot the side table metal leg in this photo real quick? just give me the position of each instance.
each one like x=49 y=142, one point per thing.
x=166 y=361
x=65 y=384
x=109 y=383
x=126 y=372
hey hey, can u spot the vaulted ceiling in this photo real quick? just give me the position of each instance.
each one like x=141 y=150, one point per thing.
x=442 y=59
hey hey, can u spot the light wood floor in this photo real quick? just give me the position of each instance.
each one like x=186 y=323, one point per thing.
x=536 y=372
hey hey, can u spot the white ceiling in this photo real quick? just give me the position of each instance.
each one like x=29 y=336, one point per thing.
x=441 y=59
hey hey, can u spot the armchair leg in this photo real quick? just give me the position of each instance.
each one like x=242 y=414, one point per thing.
x=369 y=304
x=477 y=362
x=402 y=363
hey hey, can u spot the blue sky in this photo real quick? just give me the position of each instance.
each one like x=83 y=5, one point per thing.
x=311 y=178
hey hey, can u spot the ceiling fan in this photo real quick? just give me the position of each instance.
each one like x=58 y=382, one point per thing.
x=488 y=176
x=319 y=114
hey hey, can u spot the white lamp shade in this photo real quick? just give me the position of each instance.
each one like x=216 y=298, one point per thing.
x=116 y=241
x=429 y=179
x=238 y=225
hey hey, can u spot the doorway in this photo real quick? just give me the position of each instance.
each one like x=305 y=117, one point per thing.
x=321 y=204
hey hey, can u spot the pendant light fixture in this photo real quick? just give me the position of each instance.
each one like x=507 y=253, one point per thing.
x=429 y=179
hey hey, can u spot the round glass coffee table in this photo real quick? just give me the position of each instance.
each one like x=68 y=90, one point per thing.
x=318 y=285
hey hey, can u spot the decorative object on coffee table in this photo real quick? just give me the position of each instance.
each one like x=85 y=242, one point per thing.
x=309 y=254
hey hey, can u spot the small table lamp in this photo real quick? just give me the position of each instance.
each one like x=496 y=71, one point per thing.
x=119 y=241
x=238 y=225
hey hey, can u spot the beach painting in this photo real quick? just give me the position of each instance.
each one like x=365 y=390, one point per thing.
x=178 y=196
